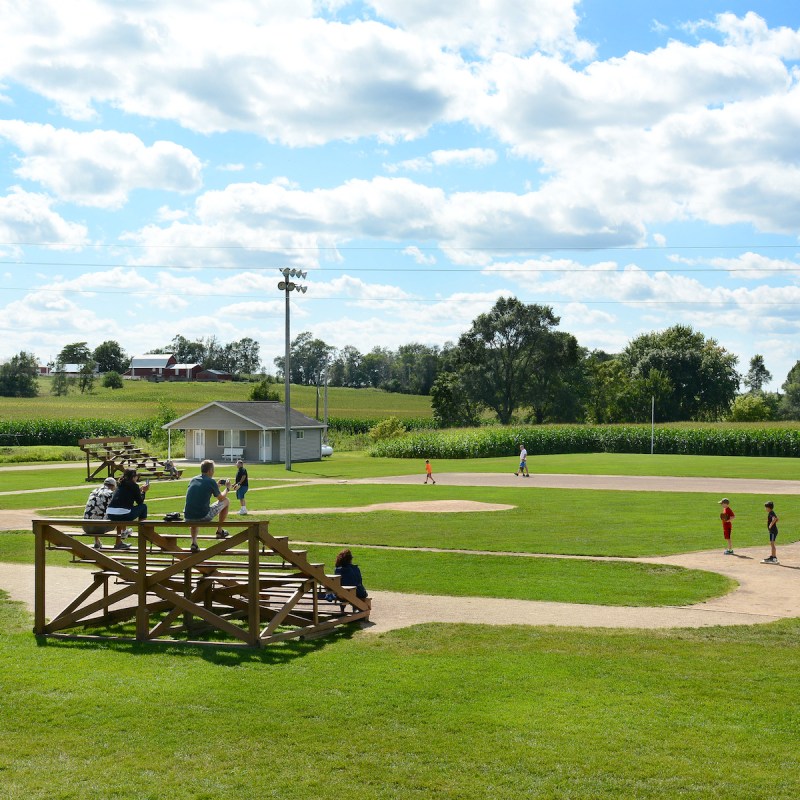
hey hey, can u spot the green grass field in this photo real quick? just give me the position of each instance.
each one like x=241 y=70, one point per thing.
x=139 y=400
x=445 y=711
x=457 y=712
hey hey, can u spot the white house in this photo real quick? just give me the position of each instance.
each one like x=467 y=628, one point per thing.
x=254 y=431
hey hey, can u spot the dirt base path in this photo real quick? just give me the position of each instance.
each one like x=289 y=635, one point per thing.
x=766 y=593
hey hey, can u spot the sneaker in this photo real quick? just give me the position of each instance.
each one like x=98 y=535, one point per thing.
x=242 y=511
x=97 y=546
x=727 y=552
x=121 y=546
x=222 y=534
x=195 y=547
x=770 y=560
x=517 y=474
x=126 y=533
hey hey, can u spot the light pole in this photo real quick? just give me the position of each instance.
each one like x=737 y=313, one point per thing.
x=287 y=286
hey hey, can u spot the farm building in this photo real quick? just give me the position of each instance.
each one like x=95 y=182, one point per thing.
x=182 y=372
x=213 y=375
x=254 y=431
x=150 y=365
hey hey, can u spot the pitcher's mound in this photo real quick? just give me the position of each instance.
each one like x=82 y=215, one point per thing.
x=422 y=506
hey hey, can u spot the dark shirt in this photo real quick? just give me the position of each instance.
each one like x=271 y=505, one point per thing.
x=772 y=528
x=127 y=495
x=198 y=496
x=241 y=477
x=351 y=576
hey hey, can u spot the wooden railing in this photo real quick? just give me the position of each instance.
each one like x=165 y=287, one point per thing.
x=249 y=589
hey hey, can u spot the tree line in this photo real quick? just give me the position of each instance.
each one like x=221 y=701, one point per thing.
x=514 y=363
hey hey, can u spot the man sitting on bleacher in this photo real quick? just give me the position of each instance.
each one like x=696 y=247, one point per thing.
x=198 y=506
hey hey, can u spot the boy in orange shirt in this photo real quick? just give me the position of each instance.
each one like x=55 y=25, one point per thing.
x=726 y=515
x=428 y=471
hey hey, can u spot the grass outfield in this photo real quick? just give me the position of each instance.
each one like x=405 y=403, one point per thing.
x=456 y=712
x=139 y=400
x=560 y=521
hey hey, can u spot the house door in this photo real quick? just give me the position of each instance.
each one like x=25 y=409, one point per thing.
x=265 y=446
x=199 y=445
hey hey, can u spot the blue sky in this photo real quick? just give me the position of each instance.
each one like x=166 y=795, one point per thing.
x=634 y=165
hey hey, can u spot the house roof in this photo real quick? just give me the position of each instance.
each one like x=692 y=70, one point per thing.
x=185 y=366
x=152 y=360
x=251 y=415
x=216 y=372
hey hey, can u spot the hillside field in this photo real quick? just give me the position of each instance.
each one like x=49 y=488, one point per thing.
x=139 y=400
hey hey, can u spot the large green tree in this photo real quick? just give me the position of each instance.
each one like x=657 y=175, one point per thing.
x=75 y=353
x=757 y=375
x=309 y=357
x=498 y=355
x=701 y=373
x=19 y=376
x=110 y=357
x=789 y=407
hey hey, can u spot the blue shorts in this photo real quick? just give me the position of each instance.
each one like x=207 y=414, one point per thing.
x=523 y=465
x=241 y=492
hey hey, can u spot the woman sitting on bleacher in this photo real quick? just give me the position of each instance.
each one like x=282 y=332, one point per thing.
x=127 y=504
x=350 y=574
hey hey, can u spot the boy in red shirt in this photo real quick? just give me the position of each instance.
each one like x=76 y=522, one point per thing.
x=726 y=516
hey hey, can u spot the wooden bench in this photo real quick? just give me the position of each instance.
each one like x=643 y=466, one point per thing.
x=233 y=453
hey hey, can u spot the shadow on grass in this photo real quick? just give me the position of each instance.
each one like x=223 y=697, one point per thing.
x=221 y=653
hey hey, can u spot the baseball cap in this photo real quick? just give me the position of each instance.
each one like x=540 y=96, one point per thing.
x=724 y=500
x=110 y=482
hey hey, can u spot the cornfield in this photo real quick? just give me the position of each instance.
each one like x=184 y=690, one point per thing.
x=552 y=439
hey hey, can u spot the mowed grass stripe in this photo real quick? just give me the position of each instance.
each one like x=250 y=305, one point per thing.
x=559 y=521
x=454 y=711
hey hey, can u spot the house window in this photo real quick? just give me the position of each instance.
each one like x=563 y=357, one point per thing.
x=224 y=438
x=299 y=434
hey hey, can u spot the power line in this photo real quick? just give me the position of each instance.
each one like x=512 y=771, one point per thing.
x=401 y=247
x=427 y=270
x=712 y=304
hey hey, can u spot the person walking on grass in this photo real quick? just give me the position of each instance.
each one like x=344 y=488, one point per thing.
x=726 y=515
x=772 y=527
x=241 y=485
x=198 y=506
x=523 y=462
x=428 y=471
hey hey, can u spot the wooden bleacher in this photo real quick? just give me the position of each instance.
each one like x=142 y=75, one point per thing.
x=116 y=454
x=250 y=589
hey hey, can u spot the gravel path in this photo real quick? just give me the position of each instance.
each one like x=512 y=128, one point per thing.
x=766 y=592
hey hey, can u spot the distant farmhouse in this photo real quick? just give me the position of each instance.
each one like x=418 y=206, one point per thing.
x=254 y=431
x=164 y=367
x=150 y=366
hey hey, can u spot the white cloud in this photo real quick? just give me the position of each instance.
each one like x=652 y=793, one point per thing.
x=490 y=26
x=29 y=217
x=230 y=167
x=419 y=256
x=248 y=69
x=272 y=222
x=99 y=168
x=469 y=157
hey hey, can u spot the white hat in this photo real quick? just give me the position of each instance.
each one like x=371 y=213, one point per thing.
x=724 y=500
x=110 y=482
